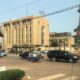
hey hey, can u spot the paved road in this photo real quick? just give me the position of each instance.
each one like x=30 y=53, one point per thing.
x=45 y=70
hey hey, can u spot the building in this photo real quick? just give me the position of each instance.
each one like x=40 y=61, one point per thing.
x=26 y=33
x=1 y=39
x=77 y=36
x=62 y=41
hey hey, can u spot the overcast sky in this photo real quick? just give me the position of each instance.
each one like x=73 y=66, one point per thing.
x=63 y=22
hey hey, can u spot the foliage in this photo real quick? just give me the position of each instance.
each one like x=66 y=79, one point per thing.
x=12 y=74
x=54 y=44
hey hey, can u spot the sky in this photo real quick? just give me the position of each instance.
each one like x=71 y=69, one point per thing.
x=62 y=22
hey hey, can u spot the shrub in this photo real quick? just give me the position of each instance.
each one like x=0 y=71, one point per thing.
x=12 y=74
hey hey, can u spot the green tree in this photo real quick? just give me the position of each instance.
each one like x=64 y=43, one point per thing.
x=54 y=44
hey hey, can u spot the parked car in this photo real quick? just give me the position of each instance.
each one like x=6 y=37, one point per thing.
x=59 y=55
x=36 y=56
x=3 y=53
x=44 y=51
x=24 y=54
x=39 y=53
x=33 y=56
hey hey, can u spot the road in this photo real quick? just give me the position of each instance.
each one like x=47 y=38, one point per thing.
x=45 y=70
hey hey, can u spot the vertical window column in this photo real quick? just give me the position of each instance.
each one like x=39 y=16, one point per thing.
x=21 y=25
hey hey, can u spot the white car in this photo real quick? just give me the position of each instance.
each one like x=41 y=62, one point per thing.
x=3 y=53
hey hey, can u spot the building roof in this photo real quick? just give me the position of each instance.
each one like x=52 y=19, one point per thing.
x=21 y=19
x=61 y=34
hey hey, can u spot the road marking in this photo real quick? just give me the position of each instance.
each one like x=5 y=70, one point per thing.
x=15 y=67
x=28 y=77
x=70 y=78
x=2 y=68
x=52 y=77
x=19 y=68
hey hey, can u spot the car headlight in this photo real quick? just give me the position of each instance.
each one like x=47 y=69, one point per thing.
x=75 y=56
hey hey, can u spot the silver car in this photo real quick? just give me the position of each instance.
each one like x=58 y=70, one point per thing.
x=3 y=53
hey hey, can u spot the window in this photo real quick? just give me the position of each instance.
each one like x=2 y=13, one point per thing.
x=42 y=35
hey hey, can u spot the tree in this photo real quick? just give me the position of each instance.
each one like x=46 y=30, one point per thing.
x=54 y=44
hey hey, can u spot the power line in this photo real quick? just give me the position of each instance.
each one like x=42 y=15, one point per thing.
x=60 y=11
x=49 y=14
x=56 y=12
x=13 y=9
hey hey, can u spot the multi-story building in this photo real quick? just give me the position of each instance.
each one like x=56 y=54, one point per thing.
x=25 y=33
x=77 y=36
x=1 y=38
x=63 y=41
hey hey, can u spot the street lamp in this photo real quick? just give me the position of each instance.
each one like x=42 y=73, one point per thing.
x=64 y=44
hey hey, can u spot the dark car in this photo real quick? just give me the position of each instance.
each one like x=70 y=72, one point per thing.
x=30 y=56
x=24 y=54
x=58 y=55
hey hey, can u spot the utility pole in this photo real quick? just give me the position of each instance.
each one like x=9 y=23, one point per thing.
x=26 y=10
x=27 y=5
x=77 y=37
x=79 y=14
x=64 y=44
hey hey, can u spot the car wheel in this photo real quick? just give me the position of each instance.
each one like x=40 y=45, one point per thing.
x=71 y=60
x=53 y=59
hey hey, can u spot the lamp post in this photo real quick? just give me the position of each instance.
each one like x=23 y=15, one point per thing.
x=64 y=44
x=77 y=30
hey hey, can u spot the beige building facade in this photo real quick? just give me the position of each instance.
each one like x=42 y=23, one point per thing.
x=62 y=41
x=25 y=33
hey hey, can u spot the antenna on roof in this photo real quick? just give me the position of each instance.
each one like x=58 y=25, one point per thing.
x=41 y=12
x=13 y=19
